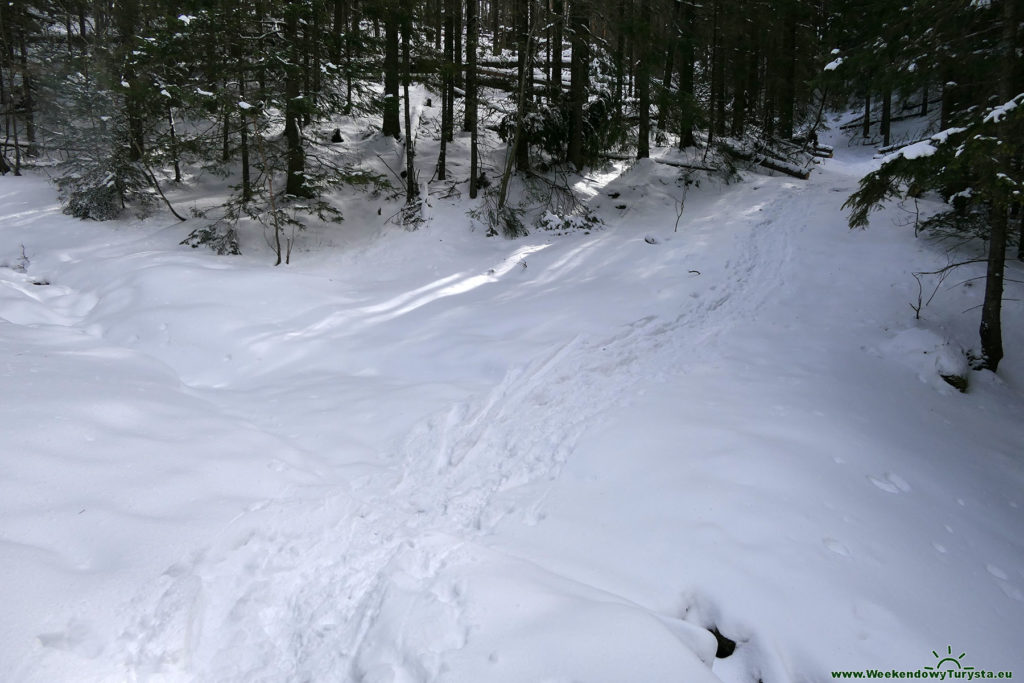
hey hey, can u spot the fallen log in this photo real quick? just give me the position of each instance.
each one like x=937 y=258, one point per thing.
x=510 y=80
x=785 y=167
x=667 y=162
x=769 y=163
x=803 y=144
x=900 y=145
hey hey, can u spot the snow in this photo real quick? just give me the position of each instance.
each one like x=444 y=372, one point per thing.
x=997 y=114
x=834 y=64
x=924 y=148
x=432 y=456
x=943 y=135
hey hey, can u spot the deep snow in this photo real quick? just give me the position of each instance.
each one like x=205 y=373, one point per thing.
x=435 y=456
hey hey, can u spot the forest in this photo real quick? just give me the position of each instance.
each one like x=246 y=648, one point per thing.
x=123 y=98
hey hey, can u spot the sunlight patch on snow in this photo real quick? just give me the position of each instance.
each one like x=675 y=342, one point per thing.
x=391 y=304
x=573 y=258
x=397 y=306
x=591 y=184
x=470 y=283
x=32 y=213
x=397 y=301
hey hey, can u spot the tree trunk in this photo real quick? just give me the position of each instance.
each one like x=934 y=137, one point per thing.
x=866 y=131
x=447 y=89
x=244 y=147
x=716 y=85
x=127 y=23
x=787 y=93
x=174 y=144
x=350 y=38
x=13 y=120
x=516 y=141
x=720 y=91
x=753 y=86
x=579 y=20
x=739 y=73
x=339 y=31
x=451 y=8
x=391 y=125
x=886 y=122
x=557 y=26
x=28 y=93
x=643 y=145
x=1020 y=235
x=458 y=79
x=412 y=189
x=225 y=135
x=495 y=29
x=620 y=54
x=991 y=310
x=243 y=130
x=524 y=49
x=685 y=93
x=665 y=97
x=435 y=24
x=295 y=181
x=472 y=14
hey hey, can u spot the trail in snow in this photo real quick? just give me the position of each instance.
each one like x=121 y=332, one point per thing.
x=297 y=586
x=294 y=586
x=404 y=424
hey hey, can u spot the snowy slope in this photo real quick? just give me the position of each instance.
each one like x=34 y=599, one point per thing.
x=435 y=456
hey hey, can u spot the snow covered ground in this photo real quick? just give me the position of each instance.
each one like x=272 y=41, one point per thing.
x=433 y=456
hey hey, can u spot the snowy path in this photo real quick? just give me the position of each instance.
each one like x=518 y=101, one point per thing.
x=285 y=602
x=390 y=468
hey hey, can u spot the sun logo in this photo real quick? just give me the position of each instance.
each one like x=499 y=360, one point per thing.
x=949 y=658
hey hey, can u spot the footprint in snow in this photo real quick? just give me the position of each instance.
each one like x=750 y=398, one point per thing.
x=890 y=483
x=996 y=571
x=836 y=546
x=79 y=638
x=1007 y=587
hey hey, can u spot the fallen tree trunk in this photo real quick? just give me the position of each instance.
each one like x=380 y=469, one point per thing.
x=509 y=63
x=769 y=163
x=888 y=149
x=667 y=162
x=785 y=167
x=497 y=75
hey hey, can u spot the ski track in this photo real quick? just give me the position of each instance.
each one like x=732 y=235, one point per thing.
x=298 y=586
